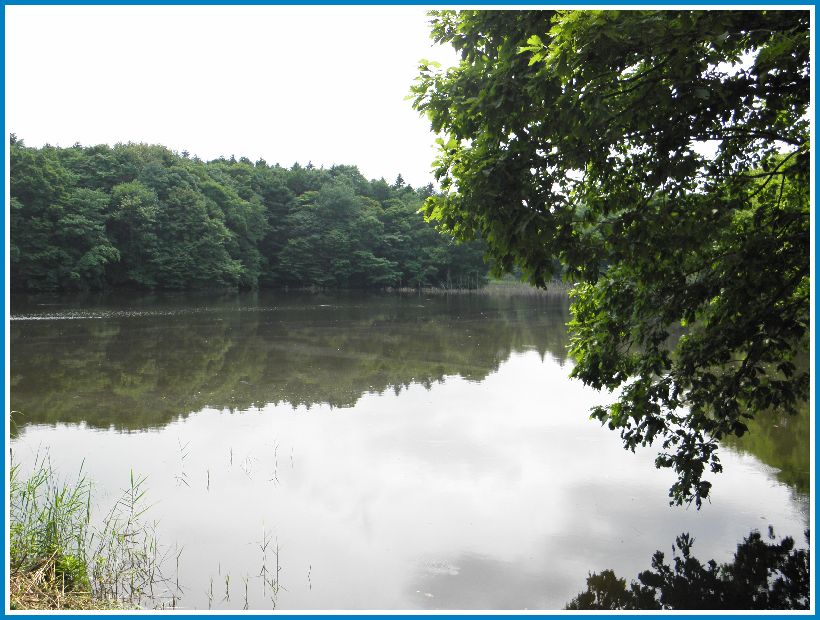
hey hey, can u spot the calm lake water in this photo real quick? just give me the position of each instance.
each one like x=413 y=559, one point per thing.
x=404 y=452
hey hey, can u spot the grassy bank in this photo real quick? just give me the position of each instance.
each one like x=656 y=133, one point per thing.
x=63 y=558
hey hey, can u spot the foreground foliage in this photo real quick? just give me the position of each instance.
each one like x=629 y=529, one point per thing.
x=658 y=160
x=43 y=589
x=60 y=559
x=763 y=575
x=140 y=216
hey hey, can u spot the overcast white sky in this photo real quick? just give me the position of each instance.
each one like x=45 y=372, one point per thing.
x=320 y=84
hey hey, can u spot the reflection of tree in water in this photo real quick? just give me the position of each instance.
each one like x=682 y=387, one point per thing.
x=145 y=369
x=763 y=575
x=781 y=441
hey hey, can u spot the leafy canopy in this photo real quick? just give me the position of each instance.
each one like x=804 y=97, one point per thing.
x=659 y=160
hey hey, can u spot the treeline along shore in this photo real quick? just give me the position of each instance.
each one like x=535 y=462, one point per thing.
x=144 y=217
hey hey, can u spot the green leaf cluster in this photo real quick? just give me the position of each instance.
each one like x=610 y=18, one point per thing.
x=659 y=161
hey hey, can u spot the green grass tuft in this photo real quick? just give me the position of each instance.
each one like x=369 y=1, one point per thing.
x=60 y=559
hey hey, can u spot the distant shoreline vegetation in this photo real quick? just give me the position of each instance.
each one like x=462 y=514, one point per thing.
x=143 y=217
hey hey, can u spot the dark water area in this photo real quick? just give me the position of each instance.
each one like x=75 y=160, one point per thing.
x=136 y=363
x=403 y=451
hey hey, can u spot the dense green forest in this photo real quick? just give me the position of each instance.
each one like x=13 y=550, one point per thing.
x=142 y=216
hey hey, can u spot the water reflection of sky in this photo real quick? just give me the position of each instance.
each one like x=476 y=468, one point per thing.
x=498 y=493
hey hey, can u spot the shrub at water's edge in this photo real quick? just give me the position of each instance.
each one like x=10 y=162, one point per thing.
x=61 y=559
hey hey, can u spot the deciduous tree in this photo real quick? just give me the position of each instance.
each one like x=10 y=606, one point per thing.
x=658 y=160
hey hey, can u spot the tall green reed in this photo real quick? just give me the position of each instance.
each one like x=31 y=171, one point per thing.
x=114 y=559
x=49 y=523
